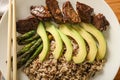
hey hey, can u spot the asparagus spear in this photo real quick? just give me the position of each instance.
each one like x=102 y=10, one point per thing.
x=26 y=41
x=26 y=35
x=37 y=52
x=27 y=54
x=25 y=48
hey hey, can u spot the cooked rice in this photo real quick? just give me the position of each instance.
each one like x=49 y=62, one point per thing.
x=52 y=69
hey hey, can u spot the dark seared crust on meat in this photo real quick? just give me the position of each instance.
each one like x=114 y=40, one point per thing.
x=85 y=12
x=25 y=25
x=41 y=12
x=69 y=13
x=100 y=22
x=55 y=10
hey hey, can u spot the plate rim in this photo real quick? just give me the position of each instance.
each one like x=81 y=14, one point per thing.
x=2 y=18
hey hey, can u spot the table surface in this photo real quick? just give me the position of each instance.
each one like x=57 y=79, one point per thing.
x=115 y=5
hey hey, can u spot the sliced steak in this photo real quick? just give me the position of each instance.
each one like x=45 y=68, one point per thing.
x=69 y=13
x=100 y=22
x=41 y=12
x=23 y=26
x=85 y=12
x=55 y=10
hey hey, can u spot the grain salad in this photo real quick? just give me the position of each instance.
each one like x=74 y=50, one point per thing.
x=52 y=69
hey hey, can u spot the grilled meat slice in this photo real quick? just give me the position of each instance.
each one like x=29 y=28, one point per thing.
x=69 y=13
x=55 y=10
x=40 y=12
x=25 y=25
x=100 y=22
x=85 y=12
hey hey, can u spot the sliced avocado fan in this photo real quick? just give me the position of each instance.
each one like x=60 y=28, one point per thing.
x=90 y=41
x=67 y=30
x=100 y=38
x=42 y=32
x=68 y=44
x=58 y=41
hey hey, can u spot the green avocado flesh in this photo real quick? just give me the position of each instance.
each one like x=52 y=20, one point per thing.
x=100 y=38
x=42 y=32
x=68 y=44
x=79 y=33
x=67 y=30
x=58 y=41
x=90 y=41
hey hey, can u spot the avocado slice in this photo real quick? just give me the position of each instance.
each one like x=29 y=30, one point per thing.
x=67 y=30
x=42 y=32
x=90 y=41
x=58 y=41
x=68 y=44
x=100 y=38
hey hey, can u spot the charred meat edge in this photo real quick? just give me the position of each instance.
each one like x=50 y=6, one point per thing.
x=40 y=12
x=100 y=22
x=27 y=24
x=69 y=13
x=85 y=12
x=55 y=11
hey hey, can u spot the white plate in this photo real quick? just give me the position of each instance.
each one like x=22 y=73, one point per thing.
x=112 y=35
